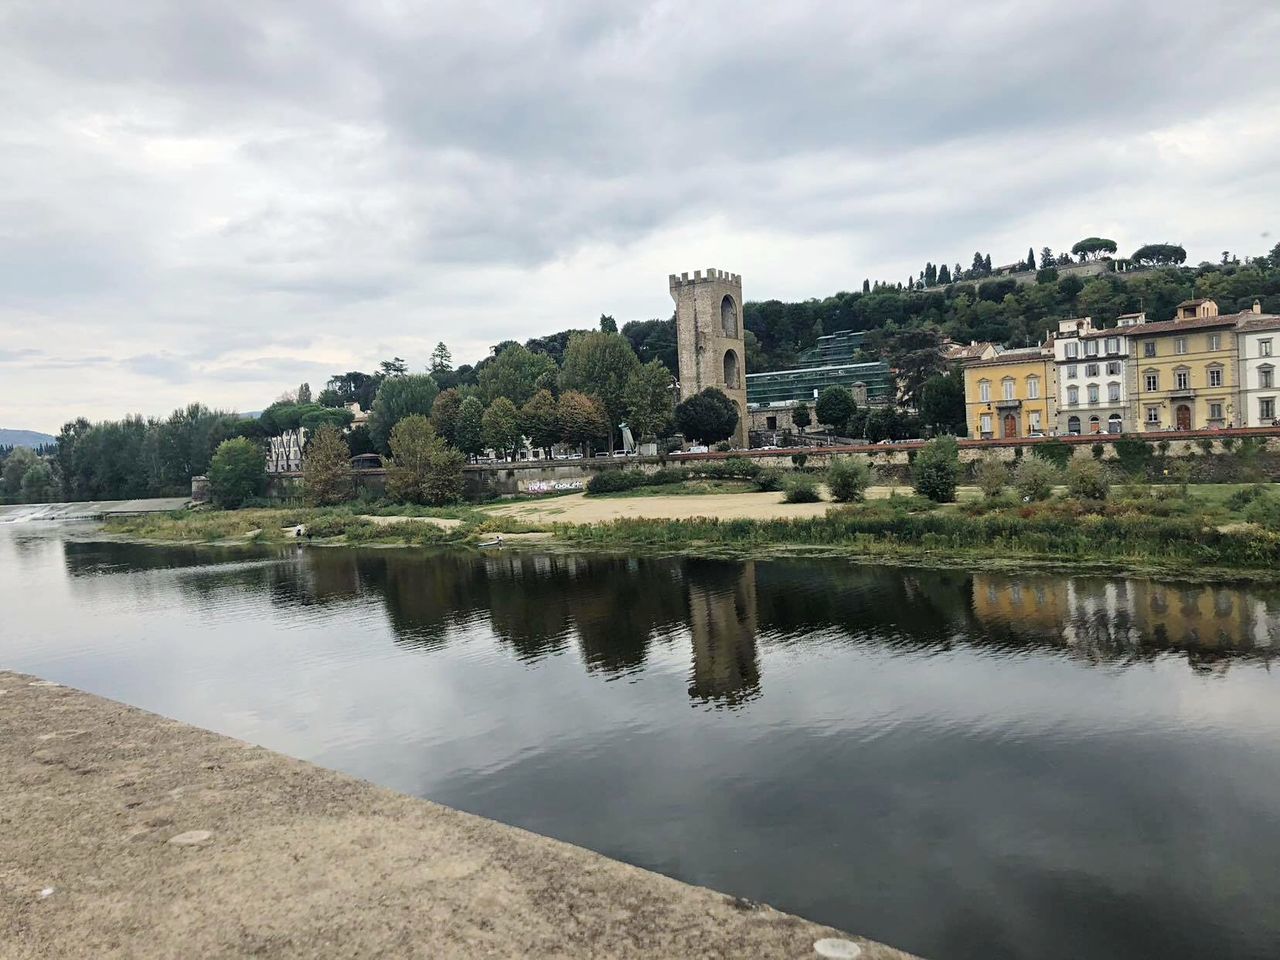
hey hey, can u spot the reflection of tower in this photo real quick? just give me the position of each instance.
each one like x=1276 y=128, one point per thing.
x=722 y=621
x=709 y=338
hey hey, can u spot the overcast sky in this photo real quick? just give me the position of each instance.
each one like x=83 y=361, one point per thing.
x=214 y=201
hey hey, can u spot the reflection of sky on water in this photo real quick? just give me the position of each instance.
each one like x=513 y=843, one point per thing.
x=957 y=763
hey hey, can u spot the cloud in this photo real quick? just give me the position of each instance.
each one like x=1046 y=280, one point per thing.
x=184 y=188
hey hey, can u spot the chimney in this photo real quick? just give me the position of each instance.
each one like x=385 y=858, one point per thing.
x=1257 y=306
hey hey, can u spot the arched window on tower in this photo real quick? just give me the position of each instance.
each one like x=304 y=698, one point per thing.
x=731 y=369
x=728 y=317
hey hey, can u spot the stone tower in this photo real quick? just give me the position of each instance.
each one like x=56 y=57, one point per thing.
x=709 y=338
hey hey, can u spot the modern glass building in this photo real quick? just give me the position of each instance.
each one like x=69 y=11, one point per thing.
x=805 y=383
x=835 y=348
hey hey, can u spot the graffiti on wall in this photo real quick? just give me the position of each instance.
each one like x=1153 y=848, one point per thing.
x=552 y=486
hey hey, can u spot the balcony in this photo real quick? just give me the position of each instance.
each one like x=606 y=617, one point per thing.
x=1008 y=404
x=1182 y=393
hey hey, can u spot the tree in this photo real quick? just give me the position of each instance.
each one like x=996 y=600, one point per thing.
x=304 y=393
x=608 y=324
x=38 y=483
x=326 y=472
x=707 y=417
x=423 y=469
x=942 y=403
x=444 y=414
x=600 y=364
x=986 y=265
x=937 y=469
x=539 y=420
x=397 y=398
x=1159 y=255
x=656 y=340
x=978 y=264
x=500 y=427
x=1031 y=258
x=648 y=401
x=514 y=373
x=441 y=359
x=237 y=472
x=16 y=466
x=800 y=416
x=848 y=479
x=1091 y=248
x=468 y=434
x=835 y=407
x=1046 y=258
x=395 y=367
x=916 y=355
x=866 y=286
x=582 y=419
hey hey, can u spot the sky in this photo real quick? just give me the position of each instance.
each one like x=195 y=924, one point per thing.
x=216 y=202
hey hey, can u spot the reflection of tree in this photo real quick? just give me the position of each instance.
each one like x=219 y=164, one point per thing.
x=620 y=605
x=722 y=625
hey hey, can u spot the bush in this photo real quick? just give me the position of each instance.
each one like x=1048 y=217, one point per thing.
x=1242 y=498
x=1133 y=455
x=618 y=481
x=724 y=446
x=848 y=479
x=1097 y=450
x=1034 y=479
x=992 y=477
x=798 y=460
x=770 y=479
x=936 y=470
x=237 y=472
x=1265 y=511
x=1054 y=451
x=730 y=468
x=802 y=488
x=1088 y=480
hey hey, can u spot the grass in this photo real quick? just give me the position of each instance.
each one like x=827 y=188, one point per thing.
x=700 y=487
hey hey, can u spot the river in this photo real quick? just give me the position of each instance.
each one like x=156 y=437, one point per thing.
x=960 y=764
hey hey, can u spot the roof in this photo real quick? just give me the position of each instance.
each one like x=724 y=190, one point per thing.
x=1022 y=355
x=1265 y=321
x=1173 y=326
x=966 y=351
x=1192 y=303
x=834 y=366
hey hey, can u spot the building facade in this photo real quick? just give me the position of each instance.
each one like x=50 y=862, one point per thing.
x=1184 y=370
x=1013 y=394
x=709 y=338
x=1092 y=367
x=1257 y=350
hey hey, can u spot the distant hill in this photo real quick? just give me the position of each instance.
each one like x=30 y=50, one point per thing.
x=23 y=438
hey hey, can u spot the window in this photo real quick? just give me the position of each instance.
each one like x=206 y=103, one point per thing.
x=1215 y=411
x=1182 y=379
x=1113 y=344
x=1149 y=348
x=1266 y=377
x=1113 y=368
x=1035 y=421
x=1090 y=369
x=1153 y=414
x=1073 y=396
x=1215 y=376
x=1093 y=393
x=985 y=424
x=1033 y=388
x=1114 y=423
x=1006 y=387
x=1091 y=348
x=1095 y=426
x=1264 y=348
x=1113 y=391
x=1215 y=341
x=1073 y=349
x=1267 y=408
x=1180 y=345
x=1151 y=381
x=1073 y=426
x=984 y=391
x=1072 y=371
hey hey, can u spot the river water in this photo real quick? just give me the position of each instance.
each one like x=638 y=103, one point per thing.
x=961 y=764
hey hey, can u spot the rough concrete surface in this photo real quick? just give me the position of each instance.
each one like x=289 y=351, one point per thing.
x=124 y=834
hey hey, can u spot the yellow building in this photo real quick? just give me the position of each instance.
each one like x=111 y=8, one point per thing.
x=1011 y=395
x=1184 y=370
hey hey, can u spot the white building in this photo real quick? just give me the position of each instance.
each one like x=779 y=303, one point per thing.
x=1257 y=353
x=1093 y=367
x=284 y=453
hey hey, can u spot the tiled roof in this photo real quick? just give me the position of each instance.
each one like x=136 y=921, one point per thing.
x=1172 y=326
x=1253 y=321
x=1011 y=356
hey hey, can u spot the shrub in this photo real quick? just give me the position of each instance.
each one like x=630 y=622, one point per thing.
x=731 y=468
x=1088 y=480
x=936 y=470
x=724 y=446
x=992 y=476
x=237 y=472
x=1265 y=511
x=1242 y=498
x=1133 y=455
x=1205 y=445
x=769 y=479
x=802 y=488
x=848 y=479
x=1054 y=451
x=798 y=460
x=1097 y=450
x=1034 y=479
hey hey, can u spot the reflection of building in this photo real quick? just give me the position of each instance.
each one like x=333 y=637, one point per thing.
x=1038 y=602
x=722 y=622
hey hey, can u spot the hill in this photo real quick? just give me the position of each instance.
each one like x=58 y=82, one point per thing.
x=24 y=438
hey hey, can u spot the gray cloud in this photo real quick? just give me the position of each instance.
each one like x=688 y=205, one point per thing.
x=192 y=187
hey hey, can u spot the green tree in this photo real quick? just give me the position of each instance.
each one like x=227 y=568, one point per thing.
x=1159 y=255
x=1031 y=258
x=468 y=434
x=707 y=417
x=937 y=469
x=514 y=373
x=1034 y=478
x=992 y=476
x=1046 y=258
x=1087 y=479
x=395 y=367
x=326 y=472
x=441 y=359
x=800 y=416
x=1091 y=248
x=600 y=364
x=500 y=427
x=582 y=419
x=608 y=324
x=423 y=468
x=444 y=414
x=835 y=407
x=942 y=404
x=38 y=485
x=237 y=472
x=399 y=397
x=848 y=479
x=648 y=401
x=304 y=393
x=539 y=420
x=16 y=466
